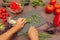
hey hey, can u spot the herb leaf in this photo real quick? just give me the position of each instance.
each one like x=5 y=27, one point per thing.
x=35 y=17
x=28 y=20
x=42 y=36
x=37 y=3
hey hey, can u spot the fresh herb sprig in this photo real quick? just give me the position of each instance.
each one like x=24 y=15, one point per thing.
x=28 y=20
x=37 y=3
x=42 y=36
x=36 y=18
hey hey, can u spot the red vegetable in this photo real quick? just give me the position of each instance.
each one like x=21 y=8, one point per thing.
x=4 y=17
x=49 y=8
x=57 y=11
x=0 y=12
x=57 y=20
x=56 y=6
x=3 y=10
x=53 y=2
x=1 y=16
x=14 y=6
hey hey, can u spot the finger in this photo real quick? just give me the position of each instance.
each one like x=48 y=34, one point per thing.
x=24 y=21
x=21 y=19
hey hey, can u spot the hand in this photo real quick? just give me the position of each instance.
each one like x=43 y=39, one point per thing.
x=20 y=23
x=18 y=26
x=33 y=33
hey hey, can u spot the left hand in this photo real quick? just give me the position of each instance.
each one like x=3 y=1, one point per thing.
x=18 y=26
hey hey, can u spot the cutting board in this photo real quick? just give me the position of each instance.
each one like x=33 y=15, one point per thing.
x=41 y=20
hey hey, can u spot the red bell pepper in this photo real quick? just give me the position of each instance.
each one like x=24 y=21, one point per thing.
x=57 y=20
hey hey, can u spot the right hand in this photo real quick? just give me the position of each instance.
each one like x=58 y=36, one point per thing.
x=33 y=33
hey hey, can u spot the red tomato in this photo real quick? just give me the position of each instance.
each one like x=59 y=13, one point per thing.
x=0 y=12
x=56 y=6
x=57 y=20
x=49 y=8
x=14 y=6
x=18 y=8
x=3 y=10
x=53 y=2
x=4 y=17
x=4 y=14
x=1 y=16
x=57 y=11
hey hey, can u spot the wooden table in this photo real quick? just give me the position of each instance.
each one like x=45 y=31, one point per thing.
x=48 y=17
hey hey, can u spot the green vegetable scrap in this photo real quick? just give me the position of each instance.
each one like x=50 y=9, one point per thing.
x=42 y=36
x=28 y=20
x=41 y=4
x=40 y=0
x=34 y=3
x=35 y=17
x=37 y=3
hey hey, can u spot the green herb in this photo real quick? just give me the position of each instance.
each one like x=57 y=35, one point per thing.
x=41 y=4
x=37 y=3
x=34 y=3
x=28 y=20
x=35 y=17
x=40 y=0
x=42 y=36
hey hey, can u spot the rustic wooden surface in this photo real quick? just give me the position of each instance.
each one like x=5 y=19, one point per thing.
x=48 y=17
